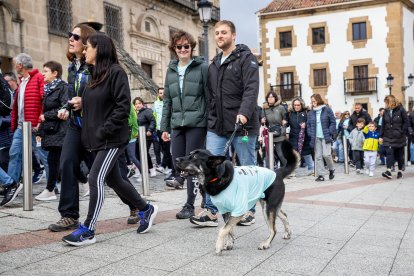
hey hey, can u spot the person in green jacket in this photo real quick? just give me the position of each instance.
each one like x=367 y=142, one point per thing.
x=184 y=119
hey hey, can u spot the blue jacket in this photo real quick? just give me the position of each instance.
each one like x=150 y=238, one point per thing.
x=328 y=125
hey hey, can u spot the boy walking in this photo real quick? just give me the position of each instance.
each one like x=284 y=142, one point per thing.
x=356 y=138
x=370 y=147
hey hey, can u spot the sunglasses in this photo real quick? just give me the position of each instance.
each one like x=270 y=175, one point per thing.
x=179 y=47
x=75 y=36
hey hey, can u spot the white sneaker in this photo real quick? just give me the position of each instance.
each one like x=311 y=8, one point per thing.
x=167 y=171
x=46 y=195
x=358 y=171
x=366 y=171
x=160 y=169
x=153 y=172
x=371 y=174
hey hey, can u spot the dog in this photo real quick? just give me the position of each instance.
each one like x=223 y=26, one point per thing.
x=233 y=196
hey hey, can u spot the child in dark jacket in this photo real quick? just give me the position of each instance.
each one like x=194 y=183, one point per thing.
x=370 y=147
x=356 y=138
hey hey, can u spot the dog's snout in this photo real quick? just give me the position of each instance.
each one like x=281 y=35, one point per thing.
x=178 y=159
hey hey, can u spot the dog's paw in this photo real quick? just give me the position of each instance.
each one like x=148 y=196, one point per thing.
x=229 y=245
x=218 y=251
x=287 y=235
x=264 y=245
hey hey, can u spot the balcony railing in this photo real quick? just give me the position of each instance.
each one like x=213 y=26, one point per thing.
x=361 y=86
x=187 y=3
x=287 y=91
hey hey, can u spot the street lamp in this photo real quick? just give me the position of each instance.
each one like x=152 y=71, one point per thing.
x=410 y=82
x=204 y=9
x=390 y=82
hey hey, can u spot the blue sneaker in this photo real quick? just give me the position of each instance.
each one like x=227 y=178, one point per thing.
x=146 y=219
x=81 y=236
x=37 y=176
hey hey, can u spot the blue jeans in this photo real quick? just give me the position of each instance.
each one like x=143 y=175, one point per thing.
x=412 y=152
x=340 y=150
x=42 y=154
x=16 y=156
x=308 y=161
x=132 y=156
x=246 y=152
x=5 y=179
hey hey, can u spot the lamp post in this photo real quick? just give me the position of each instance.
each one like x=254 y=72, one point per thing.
x=410 y=82
x=204 y=9
x=390 y=82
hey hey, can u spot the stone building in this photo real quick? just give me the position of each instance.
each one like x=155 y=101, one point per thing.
x=342 y=49
x=141 y=29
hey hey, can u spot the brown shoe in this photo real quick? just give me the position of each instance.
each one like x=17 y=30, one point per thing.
x=65 y=223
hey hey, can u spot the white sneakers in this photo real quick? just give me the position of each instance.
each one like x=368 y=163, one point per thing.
x=153 y=172
x=46 y=195
x=163 y=170
x=371 y=174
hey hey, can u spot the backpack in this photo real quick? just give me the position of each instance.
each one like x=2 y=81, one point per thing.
x=6 y=97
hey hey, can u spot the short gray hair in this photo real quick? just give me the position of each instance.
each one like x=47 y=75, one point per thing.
x=25 y=60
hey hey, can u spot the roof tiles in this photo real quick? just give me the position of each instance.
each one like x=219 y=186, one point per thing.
x=286 y=5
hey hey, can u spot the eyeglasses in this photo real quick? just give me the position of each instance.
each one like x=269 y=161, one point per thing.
x=76 y=37
x=179 y=47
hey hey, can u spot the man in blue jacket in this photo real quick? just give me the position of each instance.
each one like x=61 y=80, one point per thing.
x=233 y=84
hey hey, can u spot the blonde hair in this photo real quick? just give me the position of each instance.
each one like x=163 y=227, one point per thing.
x=391 y=101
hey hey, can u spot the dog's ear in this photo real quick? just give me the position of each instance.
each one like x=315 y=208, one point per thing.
x=214 y=161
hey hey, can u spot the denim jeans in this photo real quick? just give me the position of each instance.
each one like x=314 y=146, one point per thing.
x=246 y=152
x=16 y=156
x=42 y=154
x=308 y=161
x=5 y=179
x=412 y=153
x=132 y=156
x=340 y=150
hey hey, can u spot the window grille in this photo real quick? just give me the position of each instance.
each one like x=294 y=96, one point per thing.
x=147 y=26
x=113 y=23
x=59 y=17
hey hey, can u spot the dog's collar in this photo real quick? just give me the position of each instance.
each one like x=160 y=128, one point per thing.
x=213 y=180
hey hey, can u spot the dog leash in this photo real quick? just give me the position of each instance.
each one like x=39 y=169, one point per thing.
x=245 y=138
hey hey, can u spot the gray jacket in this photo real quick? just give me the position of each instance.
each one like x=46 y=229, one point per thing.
x=356 y=138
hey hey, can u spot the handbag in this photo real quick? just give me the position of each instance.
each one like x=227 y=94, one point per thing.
x=276 y=130
x=50 y=127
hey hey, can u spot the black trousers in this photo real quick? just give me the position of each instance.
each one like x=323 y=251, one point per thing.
x=72 y=155
x=53 y=160
x=358 y=158
x=105 y=168
x=183 y=141
x=166 y=151
x=394 y=154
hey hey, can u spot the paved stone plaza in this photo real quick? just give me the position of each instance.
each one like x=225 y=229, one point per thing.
x=353 y=225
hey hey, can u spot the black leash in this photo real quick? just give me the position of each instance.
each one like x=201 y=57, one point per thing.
x=226 y=148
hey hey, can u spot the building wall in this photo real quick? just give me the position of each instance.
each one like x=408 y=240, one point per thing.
x=408 y=23
x=340 y=54
x=151 y=48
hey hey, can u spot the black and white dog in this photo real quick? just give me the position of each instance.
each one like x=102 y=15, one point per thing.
x=234 y=190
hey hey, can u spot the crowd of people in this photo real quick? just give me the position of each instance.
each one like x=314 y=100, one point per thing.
x=87 y=127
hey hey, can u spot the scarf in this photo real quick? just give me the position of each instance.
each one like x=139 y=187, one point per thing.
x=49 y=87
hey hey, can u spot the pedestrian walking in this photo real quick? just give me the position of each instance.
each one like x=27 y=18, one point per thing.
x=370 y=147
x=356 y=139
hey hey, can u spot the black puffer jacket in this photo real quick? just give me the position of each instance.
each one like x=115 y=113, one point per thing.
x=52 y=102
x=233 y=89
x=295 y=119
x=146 y=118
x=355 y=116
x=394 y=128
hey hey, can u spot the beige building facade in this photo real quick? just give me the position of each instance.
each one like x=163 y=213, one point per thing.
x=141 y=28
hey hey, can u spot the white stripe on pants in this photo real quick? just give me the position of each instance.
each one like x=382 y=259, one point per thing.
x=370 y=157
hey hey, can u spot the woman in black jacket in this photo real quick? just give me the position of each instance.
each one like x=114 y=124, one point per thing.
x=52 y=129
x=393 y=134
x=298 y=136
x=145 y=118
x=105 y=133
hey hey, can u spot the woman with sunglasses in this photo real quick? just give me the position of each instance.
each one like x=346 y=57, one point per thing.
x=72 y=151
x=184 y=110
x=105 y=133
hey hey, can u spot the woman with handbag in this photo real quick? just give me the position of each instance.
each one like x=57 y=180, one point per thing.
x=52 y=129
x=275 y=117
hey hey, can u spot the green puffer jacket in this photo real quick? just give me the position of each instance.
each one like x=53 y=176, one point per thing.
x=188 y=109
